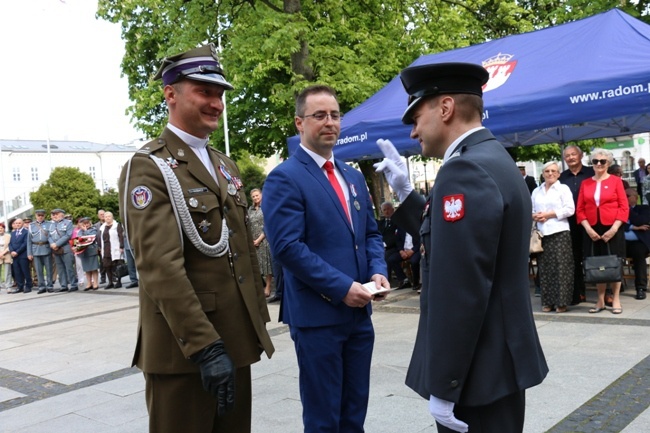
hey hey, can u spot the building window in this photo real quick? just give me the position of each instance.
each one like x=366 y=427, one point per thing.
x=16 y=174
x=34 y=173
x=92 y=172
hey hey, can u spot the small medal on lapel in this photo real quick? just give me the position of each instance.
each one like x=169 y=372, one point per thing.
x=181 y=153
x=353 y=190
x=232 y=190
x=172 y=162
x=193 y=202
x=204 y=225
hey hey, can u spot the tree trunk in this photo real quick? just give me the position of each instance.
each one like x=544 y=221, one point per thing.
x=299 y=60
x=379 y=190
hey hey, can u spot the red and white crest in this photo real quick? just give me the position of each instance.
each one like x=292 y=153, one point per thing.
x=453 y=207
x=500 y=67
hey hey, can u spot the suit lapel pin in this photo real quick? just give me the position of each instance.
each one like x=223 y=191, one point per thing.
x=172 y=162
x=181 y=153
x=193 y=202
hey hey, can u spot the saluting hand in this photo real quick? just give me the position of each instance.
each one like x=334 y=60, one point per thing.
x=394 y=169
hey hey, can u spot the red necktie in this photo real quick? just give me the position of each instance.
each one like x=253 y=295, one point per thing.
x=329 y=168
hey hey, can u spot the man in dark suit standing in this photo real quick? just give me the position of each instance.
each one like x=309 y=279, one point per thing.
x=477 y=349
x=573 y=177
x=320 y=224
x=637 y=241
x=202 y=309
x=18 y=251
x=639 y=176
x=530 y=180
x=391 y=237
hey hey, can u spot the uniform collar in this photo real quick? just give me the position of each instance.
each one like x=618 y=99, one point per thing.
x=190 y=140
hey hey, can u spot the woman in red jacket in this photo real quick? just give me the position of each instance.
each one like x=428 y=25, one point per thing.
x=602 y=209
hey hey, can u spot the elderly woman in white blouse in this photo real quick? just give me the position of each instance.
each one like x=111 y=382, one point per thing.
x=552 y=205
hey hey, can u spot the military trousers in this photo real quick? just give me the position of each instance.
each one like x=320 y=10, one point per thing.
x=65 y=268
x=44 y=263
x=178 y=403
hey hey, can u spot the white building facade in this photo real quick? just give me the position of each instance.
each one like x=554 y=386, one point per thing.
x=26 y=164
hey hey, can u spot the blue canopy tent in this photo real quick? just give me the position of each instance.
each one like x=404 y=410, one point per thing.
x=584 y=79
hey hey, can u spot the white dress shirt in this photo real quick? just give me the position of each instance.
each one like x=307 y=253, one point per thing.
x=558 y=199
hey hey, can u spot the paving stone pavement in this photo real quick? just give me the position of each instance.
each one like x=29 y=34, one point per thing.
x=65 y=367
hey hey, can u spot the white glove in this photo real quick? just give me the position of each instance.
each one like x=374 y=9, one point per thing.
x=443 y=412
x=394 y=169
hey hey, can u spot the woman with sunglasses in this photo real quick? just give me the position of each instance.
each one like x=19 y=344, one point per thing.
x=602 y=209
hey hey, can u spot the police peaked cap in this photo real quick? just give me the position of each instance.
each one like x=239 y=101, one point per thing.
x=438 y=79
x=198 y=64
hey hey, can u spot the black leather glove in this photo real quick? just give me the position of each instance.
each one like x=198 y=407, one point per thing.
x=217 y=374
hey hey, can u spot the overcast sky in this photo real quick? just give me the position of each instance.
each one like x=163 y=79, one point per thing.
x=61 y=73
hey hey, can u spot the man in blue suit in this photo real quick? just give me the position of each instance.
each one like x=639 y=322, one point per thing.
x=328 y=245
x=18 y=249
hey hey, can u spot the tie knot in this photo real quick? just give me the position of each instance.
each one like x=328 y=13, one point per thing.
x=328 y=166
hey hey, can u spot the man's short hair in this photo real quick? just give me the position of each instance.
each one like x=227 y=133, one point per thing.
x=311 y=90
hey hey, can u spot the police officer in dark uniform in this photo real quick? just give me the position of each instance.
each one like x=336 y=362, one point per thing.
x=60 y=234
x=477 y=348
x=40 y=252
x=202 y=305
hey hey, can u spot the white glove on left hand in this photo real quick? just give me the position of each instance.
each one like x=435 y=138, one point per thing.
x=443 y=412
x=394 y=169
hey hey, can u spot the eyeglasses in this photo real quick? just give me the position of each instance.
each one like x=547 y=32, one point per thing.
x=599 y=161
x=321 y=115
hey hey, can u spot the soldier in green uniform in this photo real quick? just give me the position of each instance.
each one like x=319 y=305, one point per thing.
x=203 y=312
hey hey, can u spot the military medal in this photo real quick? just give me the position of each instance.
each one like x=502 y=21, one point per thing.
x=357 y=206
x=193 y=202
x=232 y=189
x=238 y=183
x=172 y=162
x=181 y=152
x=204 y=225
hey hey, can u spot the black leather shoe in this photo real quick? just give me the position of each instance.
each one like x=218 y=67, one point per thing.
x=404 y=285
x=73 y=289
x=27 y=291
x=50 y=290
x=640 y=294
x=41 y=291
x=273 y=298
x=131 y=286
x=62 y=289
x=11 y=292
x=118 y=285
x=110 y=286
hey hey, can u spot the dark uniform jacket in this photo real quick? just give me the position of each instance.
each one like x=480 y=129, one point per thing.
x=476 y=339
x=188 y=300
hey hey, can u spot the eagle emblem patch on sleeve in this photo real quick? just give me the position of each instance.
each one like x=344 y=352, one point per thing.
x=453 y=207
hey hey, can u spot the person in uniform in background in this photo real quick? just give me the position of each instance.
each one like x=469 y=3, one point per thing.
x=60 y=235
x=639 y=176
x=203 y=313
x=477 y=349
x=87 y=251
x=530 y=180
x=40 y=252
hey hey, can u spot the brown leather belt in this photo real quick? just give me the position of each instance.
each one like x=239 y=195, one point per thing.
x=40 y=243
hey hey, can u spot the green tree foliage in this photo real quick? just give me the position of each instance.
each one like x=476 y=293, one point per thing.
x=251 y=169
x=109 y=201
x=69 y=189
x=551 y=151
x=274 y=48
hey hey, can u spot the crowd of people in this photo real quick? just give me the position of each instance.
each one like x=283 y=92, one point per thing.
x=587 y=211
x=80 y=254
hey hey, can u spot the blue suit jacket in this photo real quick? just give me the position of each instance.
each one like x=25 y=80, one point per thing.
x=18 y=243
x=311 y=237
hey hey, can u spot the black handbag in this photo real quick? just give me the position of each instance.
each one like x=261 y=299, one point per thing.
x=602 y=269
x=121 y=269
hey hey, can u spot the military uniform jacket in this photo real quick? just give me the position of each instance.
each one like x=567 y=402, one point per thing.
x=189 y=300
x=38 y=243
x=476 y=339
x=60 y=234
